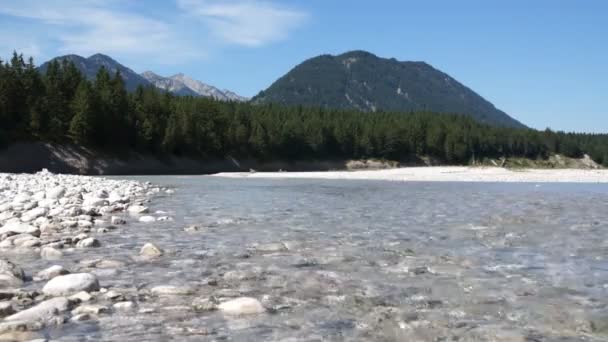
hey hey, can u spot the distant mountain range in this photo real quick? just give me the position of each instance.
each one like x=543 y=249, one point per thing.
x=354 y=80
x=179 y=84
x=362 y=81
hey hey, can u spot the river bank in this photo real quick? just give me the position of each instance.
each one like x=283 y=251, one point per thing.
x=445 y=174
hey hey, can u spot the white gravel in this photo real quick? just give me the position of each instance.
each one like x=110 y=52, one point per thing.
x=445 y=174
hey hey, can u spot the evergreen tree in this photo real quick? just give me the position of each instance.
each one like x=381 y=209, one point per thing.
x=82 y=125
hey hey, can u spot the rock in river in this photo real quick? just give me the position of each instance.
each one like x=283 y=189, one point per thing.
x=151 y=250
x=70 y=284
x=242 y=306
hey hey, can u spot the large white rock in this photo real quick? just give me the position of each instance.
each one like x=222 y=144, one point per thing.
x=70 y=284
x=42 y=312
x=151 y=250
x=56 y=192
x=51 y=272
x=94 y=202
x=242 y=306
x=137 y=209
x=33 y=214
x=22 y=198
x=10 y=274
x=147 y=219
x=15 y=227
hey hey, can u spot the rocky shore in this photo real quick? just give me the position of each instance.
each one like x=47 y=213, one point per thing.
x=48 y=216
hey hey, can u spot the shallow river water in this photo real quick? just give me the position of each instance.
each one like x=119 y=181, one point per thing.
x=362 y=261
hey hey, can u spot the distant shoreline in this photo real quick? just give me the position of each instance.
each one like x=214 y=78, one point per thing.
x=444 y=174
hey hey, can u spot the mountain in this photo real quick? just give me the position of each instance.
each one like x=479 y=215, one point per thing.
x=179 y=84
x=183 y=85
x=360 y=80
x=90 y=66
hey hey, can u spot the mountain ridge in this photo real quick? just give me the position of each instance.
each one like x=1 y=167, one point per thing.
x=361 y=80
x=179 y=84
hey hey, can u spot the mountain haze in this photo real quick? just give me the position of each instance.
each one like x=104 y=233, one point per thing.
x=362 y=81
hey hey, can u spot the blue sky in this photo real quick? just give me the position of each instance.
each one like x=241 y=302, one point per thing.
x=545 y=62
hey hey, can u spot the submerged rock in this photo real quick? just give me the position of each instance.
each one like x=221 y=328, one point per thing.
x=43 y=312
x=242 y=306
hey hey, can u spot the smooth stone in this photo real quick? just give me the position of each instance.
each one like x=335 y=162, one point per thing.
x=169 y=290
x=43 y=312
x=71 y=283
x=124 y=306
x=150 y=250
x=10 y=274
x=50 y=253
x=137 y=209
x=81 y=317
x=56 y=192
x=82 y=296
x=147 y=219
x=16 y=227
x=90 y=309
x=51 y=272
x=33 y=214
x=88 y=242
x=242 y=306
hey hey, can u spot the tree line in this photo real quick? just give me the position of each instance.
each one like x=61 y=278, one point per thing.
x=62 y=106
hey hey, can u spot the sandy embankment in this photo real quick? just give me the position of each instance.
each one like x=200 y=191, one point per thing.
x=445 y=174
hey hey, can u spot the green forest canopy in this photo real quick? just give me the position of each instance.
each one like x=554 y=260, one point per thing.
x=62 y=106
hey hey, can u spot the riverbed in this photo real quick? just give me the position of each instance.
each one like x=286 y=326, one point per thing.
x=352 y=260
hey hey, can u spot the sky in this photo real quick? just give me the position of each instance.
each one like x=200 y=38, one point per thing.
x=544 y=62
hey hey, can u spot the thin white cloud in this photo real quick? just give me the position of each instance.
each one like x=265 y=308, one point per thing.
x=245 y=22
x=90 y=26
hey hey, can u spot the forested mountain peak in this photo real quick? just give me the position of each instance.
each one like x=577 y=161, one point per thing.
x=363 y=81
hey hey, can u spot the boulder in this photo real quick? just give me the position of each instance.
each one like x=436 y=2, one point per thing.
x=43 y=312
x=15 y=227
x=71 y=283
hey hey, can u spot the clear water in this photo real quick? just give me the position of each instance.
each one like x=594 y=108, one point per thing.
x=367 y=260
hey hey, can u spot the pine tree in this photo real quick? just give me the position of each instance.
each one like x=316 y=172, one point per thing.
x=82 y=124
